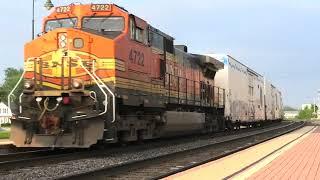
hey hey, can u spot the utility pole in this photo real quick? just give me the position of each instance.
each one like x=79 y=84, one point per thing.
x=47 y=5
x=318 y=103
x=33 y=3
x=314 y=106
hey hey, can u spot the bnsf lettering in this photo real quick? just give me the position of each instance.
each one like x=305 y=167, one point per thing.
x=55 y=64
x=136 y=57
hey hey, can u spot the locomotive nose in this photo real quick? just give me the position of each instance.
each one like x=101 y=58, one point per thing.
x=57 y=66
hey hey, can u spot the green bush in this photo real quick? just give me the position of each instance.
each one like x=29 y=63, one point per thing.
x=6 y=125
x=12 y=75
x=4 y=134
x=307 y=113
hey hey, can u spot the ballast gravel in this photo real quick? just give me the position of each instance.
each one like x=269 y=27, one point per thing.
x=62 y=169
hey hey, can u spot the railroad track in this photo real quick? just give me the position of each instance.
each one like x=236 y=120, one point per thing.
x=6 y=146
x=18 y=155
x=168 y=164
x=33 y=157
x=11 y=161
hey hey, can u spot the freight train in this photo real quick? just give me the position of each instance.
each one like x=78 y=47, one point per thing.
x=98 y=74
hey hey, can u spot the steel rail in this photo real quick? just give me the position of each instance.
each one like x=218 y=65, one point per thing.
x=7 y=156
x=15 y=160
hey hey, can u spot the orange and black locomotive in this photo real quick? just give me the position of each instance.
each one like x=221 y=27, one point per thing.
x=100 y=74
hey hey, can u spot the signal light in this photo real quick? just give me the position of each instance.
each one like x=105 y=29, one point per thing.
x=78 y=43
x=29 y=85
x=66 y=100
x=77 y=83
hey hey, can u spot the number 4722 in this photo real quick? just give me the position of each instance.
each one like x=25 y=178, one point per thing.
x=136 y=57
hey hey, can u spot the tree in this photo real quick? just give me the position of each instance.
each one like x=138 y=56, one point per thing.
x=12 y=76
x=288 y=108
x=307 y=113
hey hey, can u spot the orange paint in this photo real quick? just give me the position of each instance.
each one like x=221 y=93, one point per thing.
x=96 y=47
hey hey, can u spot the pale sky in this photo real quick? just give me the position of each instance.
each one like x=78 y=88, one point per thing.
x=277 y=39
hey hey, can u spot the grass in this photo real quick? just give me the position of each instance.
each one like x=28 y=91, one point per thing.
x=4 y=134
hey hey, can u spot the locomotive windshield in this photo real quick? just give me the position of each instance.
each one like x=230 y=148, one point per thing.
x=61 y=23
x=105 y=24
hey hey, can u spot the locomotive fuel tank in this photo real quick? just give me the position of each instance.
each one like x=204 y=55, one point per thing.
x=182 y=122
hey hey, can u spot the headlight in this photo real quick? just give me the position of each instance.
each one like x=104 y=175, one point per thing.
x=28 y=85
x=63 y=44
x=63 y=37
x=78 y=43
x=63 y=40
x=77 y=84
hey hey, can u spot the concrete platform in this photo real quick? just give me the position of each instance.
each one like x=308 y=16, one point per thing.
x=253 y=163
x=5 y=142
x=300 y=162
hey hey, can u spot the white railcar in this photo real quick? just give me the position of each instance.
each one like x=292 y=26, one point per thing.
x=279 y=114
x=269 y=100
x=273 y=98
x=249 y=97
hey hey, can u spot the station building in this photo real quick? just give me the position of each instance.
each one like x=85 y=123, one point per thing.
x=291 y=114
x=5 y=114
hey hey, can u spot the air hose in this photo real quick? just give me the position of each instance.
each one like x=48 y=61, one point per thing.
x=46 y=108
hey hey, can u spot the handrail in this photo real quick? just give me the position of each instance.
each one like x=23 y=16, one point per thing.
x=218 y=96
x=20 y=102
x=17 y=84
x=109 y=90
x=88 y=72
x=98 y=81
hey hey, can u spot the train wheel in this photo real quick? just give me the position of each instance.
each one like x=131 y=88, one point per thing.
x=229 y=125
x=140 y=136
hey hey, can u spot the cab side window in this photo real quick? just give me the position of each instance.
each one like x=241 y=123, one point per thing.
x=137 y=33
x=169 y=46
x=132 y=29
x=156 y=40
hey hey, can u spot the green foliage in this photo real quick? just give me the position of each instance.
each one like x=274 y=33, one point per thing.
x=4 y=134
x=6 y=125
x=307 y=113
x=12 y=76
